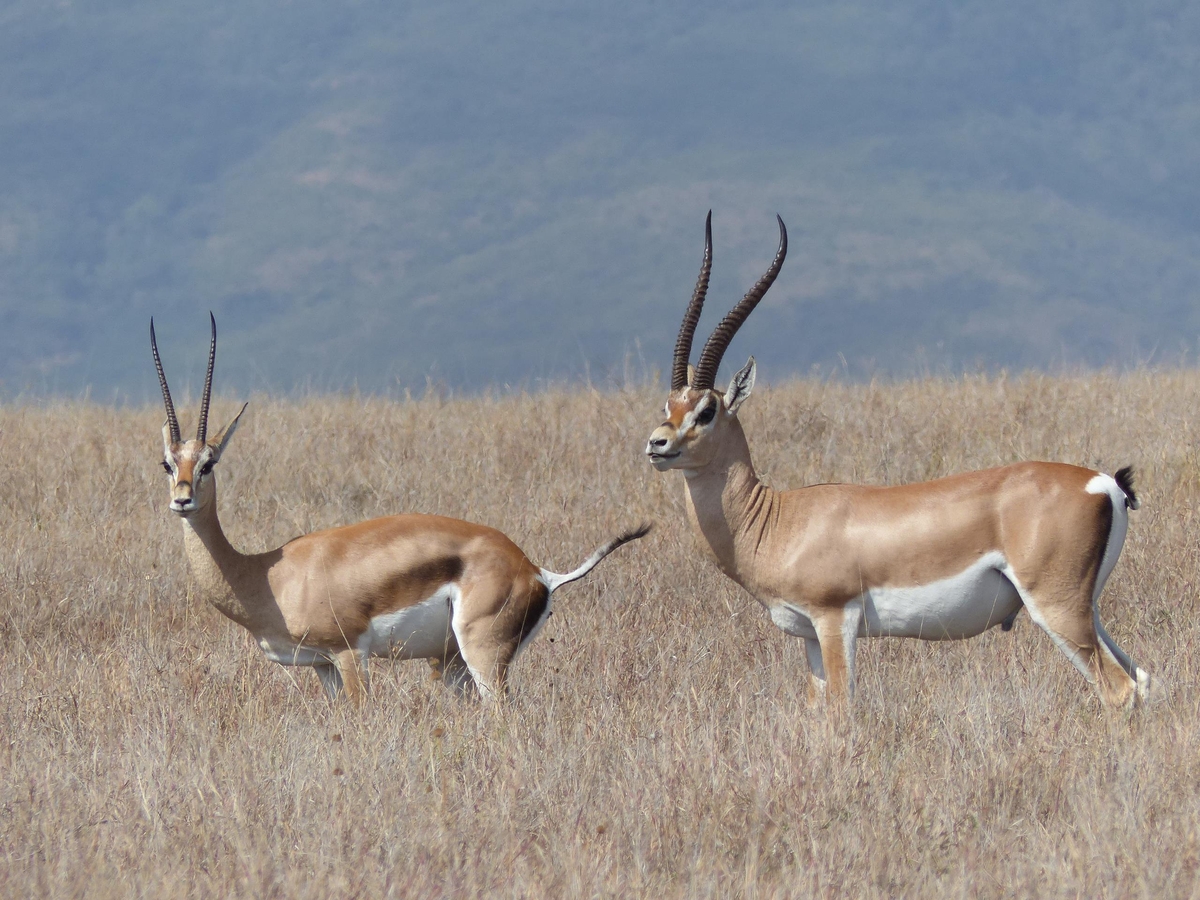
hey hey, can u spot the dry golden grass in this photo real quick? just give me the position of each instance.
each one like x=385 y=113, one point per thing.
x=657 y=741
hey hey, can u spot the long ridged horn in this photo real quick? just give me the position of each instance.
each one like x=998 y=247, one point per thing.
x=202 y=428
x=718 y=341
x=683 y=343
x=172 y=421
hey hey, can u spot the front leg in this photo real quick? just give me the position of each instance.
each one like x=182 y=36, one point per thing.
x=351 y=668
x=816 y=670
x=837 y=632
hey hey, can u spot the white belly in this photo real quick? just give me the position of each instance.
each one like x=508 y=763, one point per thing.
x=960 y=606
x=420 y=631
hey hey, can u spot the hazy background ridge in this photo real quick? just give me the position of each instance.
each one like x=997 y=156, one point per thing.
x=511 y=193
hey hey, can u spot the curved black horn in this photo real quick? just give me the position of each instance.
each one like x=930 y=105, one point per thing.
x=172 y=421
x=683 y=343
x=202 y=428
x=718 y=341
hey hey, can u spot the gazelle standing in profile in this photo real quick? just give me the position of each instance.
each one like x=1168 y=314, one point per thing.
x=410 y=586
x=939 y=560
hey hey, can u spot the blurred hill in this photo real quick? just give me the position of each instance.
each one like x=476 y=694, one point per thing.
x=514 y=192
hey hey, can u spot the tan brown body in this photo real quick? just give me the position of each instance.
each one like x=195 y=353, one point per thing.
x=939 y=560
x=462 y=595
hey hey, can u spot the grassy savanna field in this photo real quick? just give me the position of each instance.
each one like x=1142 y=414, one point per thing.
x=657 y=741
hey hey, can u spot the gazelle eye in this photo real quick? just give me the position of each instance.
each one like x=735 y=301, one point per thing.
x=207 y=467
x=167 y=466
x=706 y=415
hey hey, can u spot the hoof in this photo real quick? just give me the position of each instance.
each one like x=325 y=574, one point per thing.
x=1149 y=690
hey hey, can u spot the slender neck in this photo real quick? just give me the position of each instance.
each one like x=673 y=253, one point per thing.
x=225 y=578
x=731 y=508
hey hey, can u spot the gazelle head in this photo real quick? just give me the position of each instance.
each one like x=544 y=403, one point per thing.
x=190 y=463
x=698 y=416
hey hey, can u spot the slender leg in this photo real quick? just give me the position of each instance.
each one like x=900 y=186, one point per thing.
x=351 y=669
x=1070 y=619
x=488 y=644
x=455 y=675
x=1139 y=675
x=837 y=632
x=330 y=679
x=816 y=670
x=486 y=660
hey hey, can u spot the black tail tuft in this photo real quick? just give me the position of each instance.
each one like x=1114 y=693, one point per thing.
x=640 y=532
x=1124 y=479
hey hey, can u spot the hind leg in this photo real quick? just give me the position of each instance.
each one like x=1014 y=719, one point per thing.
x=1140 y=676
x=454 y=673
x=1068 y=617
x=1112 y=552
x=494 y=616
x=483 y=652
x=488 y=664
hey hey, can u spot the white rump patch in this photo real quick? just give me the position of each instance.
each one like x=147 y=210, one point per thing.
x=1105 y=484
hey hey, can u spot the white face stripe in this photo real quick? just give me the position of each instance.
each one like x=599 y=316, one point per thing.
x=689 y=420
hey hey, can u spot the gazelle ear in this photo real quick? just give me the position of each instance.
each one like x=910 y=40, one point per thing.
x=691 y=373
x=166 y=438
x=221 y=438
x=740 y=387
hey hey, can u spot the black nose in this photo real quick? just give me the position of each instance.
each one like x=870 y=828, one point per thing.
x=658 y=442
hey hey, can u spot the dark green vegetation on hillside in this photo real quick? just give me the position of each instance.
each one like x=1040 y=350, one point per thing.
x=512 y=192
